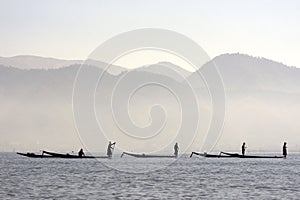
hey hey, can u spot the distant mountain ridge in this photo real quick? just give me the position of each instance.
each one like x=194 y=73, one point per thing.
x=37 y=62
x=229 y=65
x=262 y=100
x=240 y=71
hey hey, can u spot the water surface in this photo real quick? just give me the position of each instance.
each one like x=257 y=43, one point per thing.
x=198 y=178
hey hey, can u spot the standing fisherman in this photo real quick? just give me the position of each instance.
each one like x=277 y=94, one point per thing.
x=284 y=150
x=243 y=148
x=176 y=148
x=110 y=149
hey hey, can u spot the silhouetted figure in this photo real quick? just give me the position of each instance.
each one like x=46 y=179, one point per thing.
x=176 y=148
x=110 y=149
x=243 y=148
x=284 y=150
x=80 y=153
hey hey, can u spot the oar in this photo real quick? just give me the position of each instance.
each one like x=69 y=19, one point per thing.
x=191 y=154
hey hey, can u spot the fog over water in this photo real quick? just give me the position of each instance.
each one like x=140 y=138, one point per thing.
x=262 y=103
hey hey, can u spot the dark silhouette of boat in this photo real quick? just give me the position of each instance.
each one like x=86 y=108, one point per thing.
x=142 y=155
x=58 y=155
x=80 y=154
x=33 y=155
x=210 y=155
x=231 y=155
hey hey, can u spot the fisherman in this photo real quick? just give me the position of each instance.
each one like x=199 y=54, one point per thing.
x=81 y=153
x=284 y=150
x=243 y=148
x=176 y=148
x=110 y=149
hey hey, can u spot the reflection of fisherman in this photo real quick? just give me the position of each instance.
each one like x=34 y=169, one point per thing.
x=284 y=150
x=110 y=149
x=81 y=153
x=243 y=148
x=176 y=148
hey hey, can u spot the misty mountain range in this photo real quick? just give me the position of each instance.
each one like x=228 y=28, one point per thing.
x=258 y=72
x=262 y=101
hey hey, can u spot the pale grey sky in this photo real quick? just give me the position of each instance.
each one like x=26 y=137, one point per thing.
x=71 y=29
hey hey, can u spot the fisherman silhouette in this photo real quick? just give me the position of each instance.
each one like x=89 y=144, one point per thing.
x=243 y=148
x=284 y=149
x=110 y=148
x=80 y=153
x=176 y=148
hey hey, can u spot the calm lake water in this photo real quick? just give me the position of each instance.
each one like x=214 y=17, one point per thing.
x=196 y=178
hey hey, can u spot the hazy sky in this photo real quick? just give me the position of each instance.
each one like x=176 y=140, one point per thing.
x=71 y=29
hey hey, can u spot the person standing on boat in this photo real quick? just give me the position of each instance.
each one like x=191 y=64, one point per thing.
x=243 y=148
x=110 y=148
x=176 y=148
x=284 y=149
x=81 y=153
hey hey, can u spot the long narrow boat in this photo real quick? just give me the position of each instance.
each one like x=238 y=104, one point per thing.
x=33 y=155
x=147 y=156
x=248 y=156
x=209 y=155
x=231 y=155
x=59 y=155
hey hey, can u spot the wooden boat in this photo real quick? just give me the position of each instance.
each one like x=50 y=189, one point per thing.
x=59 y=155
x=209 y=155
x=33 y=155
x=147 y=156
x=232 y=155
x=248 y=156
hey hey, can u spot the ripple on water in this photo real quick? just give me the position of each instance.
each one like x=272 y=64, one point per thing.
x=187 y=178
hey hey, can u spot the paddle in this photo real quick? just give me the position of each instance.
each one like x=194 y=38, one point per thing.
x=191 y=154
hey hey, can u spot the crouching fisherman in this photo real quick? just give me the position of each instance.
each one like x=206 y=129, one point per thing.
x=81 y=153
